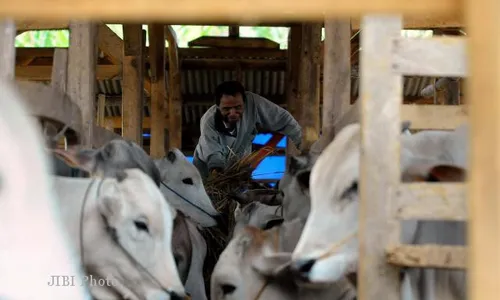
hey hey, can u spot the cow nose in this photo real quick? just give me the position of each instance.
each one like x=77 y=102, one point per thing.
x=303 y=266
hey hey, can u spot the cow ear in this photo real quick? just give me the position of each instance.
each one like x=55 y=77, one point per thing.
x=446 y=173
x=271 y=264
x=111 y=203
x=83 y=159
x=303 y=179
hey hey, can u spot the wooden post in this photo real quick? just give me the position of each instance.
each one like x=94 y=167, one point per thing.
x=101 y=109
x=174 y=88
x=336 y=75
x=59 y=78
x=292 y=73
x=309 y=83
x=82 y=61
x=483 y=259
x=133 y=83
x=158 y=90
x=8 y=49
x=381 y=90
x=234 y=31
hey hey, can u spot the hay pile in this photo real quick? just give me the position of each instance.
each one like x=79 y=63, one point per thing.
x=235 y=178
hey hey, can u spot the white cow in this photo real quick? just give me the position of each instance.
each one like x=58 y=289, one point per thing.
x=334 y=209
x=254 y=264
x=33 y=243
x=178 y=179
x=122 y=229
x=181 y=185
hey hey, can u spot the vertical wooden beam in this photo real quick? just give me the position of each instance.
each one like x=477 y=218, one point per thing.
x=101 y=109
x=381 y=91
x=158 y=90
x=336 y=76
x=483 y=32
x=174 y=88
x=234 y=31
x=8 y=48
x=133 y=82
x=292 y=87
x=82 y=62
x=59 y=78
x=309 y=83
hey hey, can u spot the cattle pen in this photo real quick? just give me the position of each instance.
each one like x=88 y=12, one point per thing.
x=310 y=70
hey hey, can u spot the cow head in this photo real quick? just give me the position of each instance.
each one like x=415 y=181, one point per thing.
x=258 y=215
x=115 y=156
x=183 y=187
x=295 y=187
x=328 y=247
x=134 y=239
x=245 y=265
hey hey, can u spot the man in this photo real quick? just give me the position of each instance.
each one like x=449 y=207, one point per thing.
x=231 y=124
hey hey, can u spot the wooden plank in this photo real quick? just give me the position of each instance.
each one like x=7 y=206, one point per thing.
x=431 y=201
x=174 y=91
x=110 y=43
x=336 y=76
x=428 y=256
x=293 y=79
x=232 y=42
x=427 y=116
x=381 y=91
x=309 y=69
x=44 y=73
x=440 y=56
x=50 y=103
x=483 y=94
x=82 y=60
x=132 y=84
x=410 y=22
x=101 y=109
x=220 y=10
x=158 y=90
x=59 y=77
x=7 y=48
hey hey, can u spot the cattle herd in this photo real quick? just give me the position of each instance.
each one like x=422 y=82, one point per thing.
x=129 y=227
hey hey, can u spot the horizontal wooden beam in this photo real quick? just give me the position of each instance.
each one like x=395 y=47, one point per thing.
x=410 y=22
x=174 y=12
x=43 y=73
x=439 y=57
x=431 y=201
x=428 y=256
x=445 y=117
x=234 y=42
x=184 y=53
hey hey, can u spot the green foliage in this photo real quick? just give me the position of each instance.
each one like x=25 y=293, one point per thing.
x=60 y=38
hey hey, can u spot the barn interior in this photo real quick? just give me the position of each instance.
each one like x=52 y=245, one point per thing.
x=177 y=83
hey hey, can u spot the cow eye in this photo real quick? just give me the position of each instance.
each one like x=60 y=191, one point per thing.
x=227 y=289
x=187 y=181
x=353 y=188
x=141 y=225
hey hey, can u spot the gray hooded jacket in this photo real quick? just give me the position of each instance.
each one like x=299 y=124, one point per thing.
x=216 y=144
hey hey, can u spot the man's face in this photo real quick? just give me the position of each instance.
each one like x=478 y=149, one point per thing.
x=231 y=108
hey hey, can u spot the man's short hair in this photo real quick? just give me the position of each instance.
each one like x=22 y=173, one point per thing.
x=230 y=88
